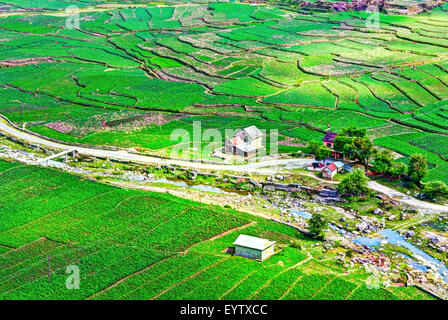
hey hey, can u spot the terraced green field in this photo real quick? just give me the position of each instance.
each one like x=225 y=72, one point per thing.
x=137 y=245
x=292 y=66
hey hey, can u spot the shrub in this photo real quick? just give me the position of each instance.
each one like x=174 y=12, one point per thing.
x=418 y=168
x=317 y=225
x=355 y=183
x=435 y=189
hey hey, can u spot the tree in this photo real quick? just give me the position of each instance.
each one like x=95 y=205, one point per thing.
x=383 y=161
x=434 y=189
x=313 y=146
x=317 y=225
x=340 y=142
x=354 y=132
x=398 y=170
x=362 y=149
x=418 y=168
x=354 y=183
x=322 y=153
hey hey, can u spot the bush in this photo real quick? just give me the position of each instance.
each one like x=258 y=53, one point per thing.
x=383 y=161
x=435 y=189
x=354 y=183
x=418 y=168
x=398 y=170
x=317 y=225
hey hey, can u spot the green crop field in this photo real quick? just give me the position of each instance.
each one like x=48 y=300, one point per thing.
x=292 y=66
x=132 y=244
x=147 y=76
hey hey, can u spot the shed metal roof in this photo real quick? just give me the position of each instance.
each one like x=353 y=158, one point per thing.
x=253 y=242
x=339 y=164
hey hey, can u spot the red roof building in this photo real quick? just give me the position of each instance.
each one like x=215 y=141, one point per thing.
x=329 y=139
x=329 y=171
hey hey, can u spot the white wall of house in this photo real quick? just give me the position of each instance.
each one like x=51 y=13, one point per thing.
x=254 y=253
x=267 y=252
x=257 y=143
x=326 y=173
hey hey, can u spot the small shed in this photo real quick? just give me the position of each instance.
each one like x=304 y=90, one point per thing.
x=253 y=247
x=340 y=166
x=329 y=171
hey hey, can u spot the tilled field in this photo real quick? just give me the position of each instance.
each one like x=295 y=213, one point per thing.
x=276 y=66
x=130 y=244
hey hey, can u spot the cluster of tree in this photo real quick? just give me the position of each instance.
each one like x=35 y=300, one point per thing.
x=417 y=169
x=320 y=151
x=383 y=162
x=354 y=144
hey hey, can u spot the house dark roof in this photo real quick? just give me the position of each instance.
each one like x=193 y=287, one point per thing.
x=329 y=136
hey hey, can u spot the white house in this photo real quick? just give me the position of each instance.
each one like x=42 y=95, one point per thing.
x=253 y=247
x=245 y=143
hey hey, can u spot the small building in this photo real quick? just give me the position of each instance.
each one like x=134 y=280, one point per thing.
x=253 y=247
x=340 y=166
x=329 y=171
x=328 y=139
x=251 y=135
x=245 y=143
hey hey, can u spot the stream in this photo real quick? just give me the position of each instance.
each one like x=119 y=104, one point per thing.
x=422 y=261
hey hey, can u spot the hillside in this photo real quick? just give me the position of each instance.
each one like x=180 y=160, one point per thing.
x=132 y=244
x=128 y=76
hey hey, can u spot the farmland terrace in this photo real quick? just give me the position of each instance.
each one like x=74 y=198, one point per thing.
x=131 y=244
x=145 y=70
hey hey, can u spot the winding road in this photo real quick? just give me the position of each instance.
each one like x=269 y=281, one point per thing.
x=262 y=167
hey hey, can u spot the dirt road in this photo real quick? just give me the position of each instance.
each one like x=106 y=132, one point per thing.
x=423 y=206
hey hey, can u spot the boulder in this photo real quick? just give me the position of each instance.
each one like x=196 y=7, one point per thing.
x=255 y=183
x=378 y=212
x=362 y=226
x=410 y=233
x=192 y=174
x=434 y=240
